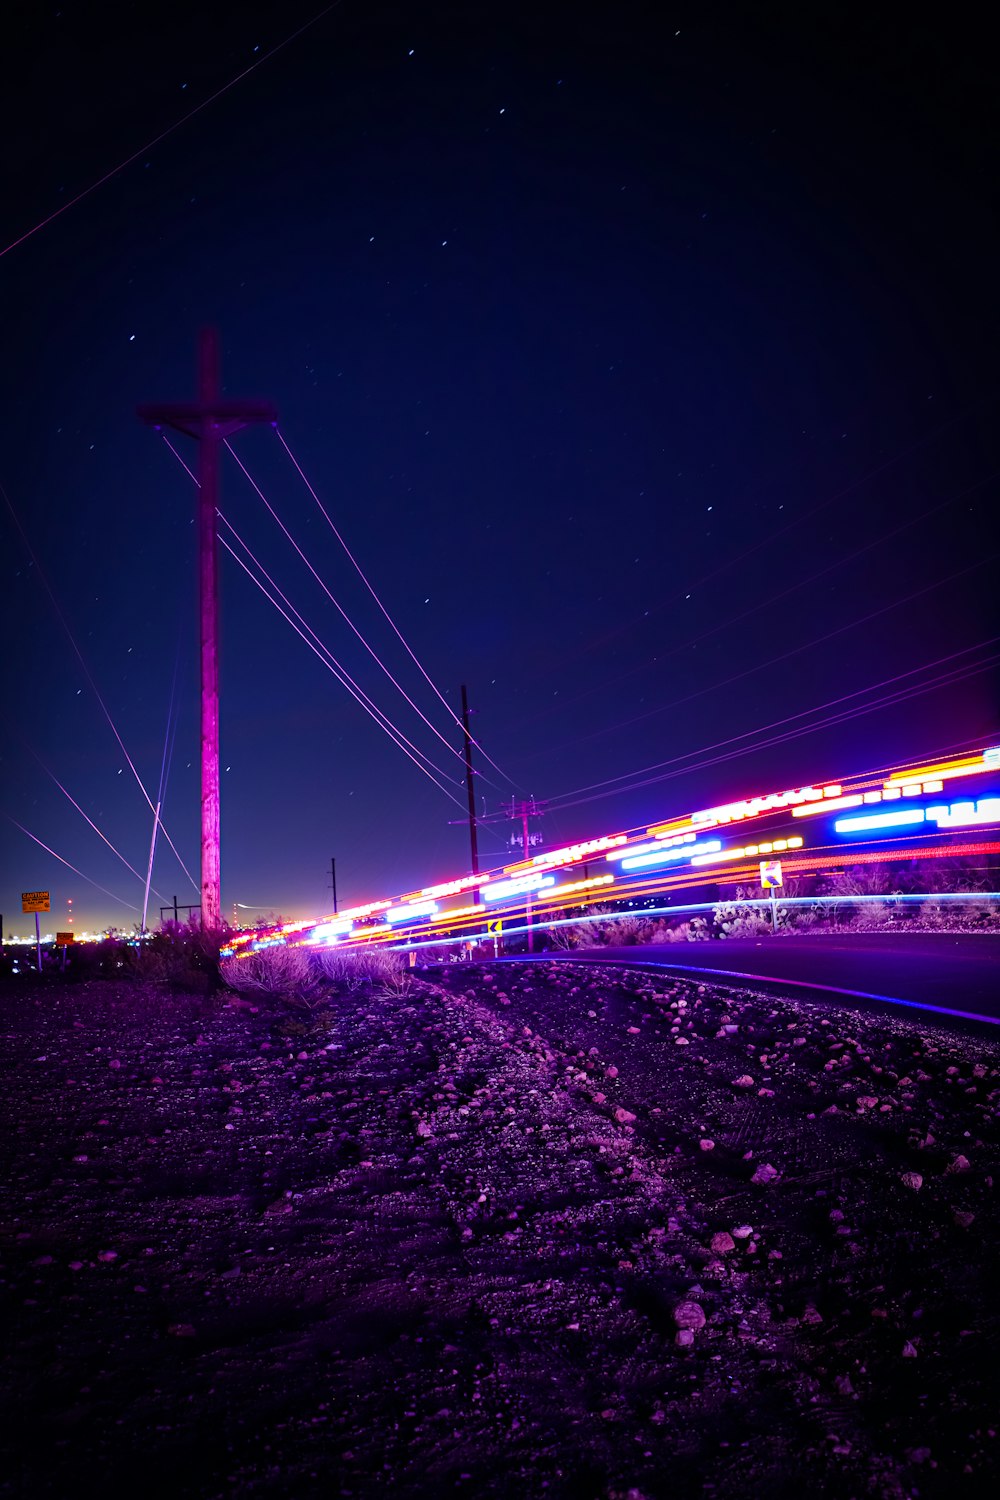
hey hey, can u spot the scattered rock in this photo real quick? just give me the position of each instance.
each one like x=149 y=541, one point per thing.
x=689 y=1315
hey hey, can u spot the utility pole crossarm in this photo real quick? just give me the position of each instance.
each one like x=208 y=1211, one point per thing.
x=189 y=417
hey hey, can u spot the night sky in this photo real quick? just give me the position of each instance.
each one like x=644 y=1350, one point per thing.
x=644 y=357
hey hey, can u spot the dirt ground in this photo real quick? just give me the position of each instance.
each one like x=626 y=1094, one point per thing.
x=548 y=1230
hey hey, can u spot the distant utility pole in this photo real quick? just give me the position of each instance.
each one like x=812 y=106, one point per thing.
x=524 y=811
x=178 y=909
x=468 y=783
x=333 y=882
x=211 y=420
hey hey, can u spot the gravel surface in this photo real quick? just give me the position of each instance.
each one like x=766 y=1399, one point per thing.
x=545 y=1229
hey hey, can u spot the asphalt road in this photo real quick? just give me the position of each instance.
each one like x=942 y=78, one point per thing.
x=945 y=973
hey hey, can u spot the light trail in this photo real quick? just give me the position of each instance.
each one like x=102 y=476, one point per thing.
x=768 y=824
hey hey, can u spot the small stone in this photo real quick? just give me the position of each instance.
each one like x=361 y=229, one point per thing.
x=743 y=1231
x=684 y=1337
x=722 y=1243
x=963 y=1218
x=743 y=1082
x=624 y=1116
x=689 y=1315
x=765 y=1173
x=706 y=1145
x=909 y=1350
x=960 y=1164
x=912 y=1180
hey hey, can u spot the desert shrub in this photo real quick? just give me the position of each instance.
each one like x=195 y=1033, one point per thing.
x=355 y=968
x=738 y=919
x=180 y=954
x=696 y=929
x=959 y=916
x=274 y=971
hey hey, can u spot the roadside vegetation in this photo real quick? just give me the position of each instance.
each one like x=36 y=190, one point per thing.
x=960 y=897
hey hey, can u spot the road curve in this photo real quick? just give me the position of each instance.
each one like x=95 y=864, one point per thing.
x=948 y=974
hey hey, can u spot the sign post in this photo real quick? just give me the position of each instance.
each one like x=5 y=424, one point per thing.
x=64 y=940
x=494 y=929
x=770 y=880
x=36 y=901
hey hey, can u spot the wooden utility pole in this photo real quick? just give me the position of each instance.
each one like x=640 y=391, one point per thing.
x=524 y=811
x=468 y=782
x=211 y=420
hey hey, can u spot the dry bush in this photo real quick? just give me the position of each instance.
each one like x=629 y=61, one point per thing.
x=975 y=914
x=353 y=968
x=692 y=931
x=275 y=970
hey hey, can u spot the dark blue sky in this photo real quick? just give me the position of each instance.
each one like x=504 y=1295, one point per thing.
x=644 y=357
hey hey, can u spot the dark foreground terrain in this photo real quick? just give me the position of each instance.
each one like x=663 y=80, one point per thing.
x=542 y=1230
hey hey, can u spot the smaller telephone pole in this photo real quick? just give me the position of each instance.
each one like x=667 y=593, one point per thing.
x=524 y=811
x=468 y=783
x=333 y=882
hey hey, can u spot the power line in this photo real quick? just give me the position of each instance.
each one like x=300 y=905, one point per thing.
x=794 y=651
x=86 y=672
x=806 y=516
x=419 y=665
x=327 y=656
x=43 y=223
x=957 y=674
x=116 y=852
x=66 y=862
x=766 y=603
x=339 y=607
x=330 y=662
x=319 y=649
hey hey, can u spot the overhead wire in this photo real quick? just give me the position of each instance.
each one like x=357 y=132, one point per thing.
x=86 y=672
x=696 y=757
x=339 y=607
x=815 y=510
x=320 y=649
x=330 y=661
x=794 y=651
x=189 y=115
x=101 y=835
x=368 y=585
x=120 y=899
x=768 y=602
